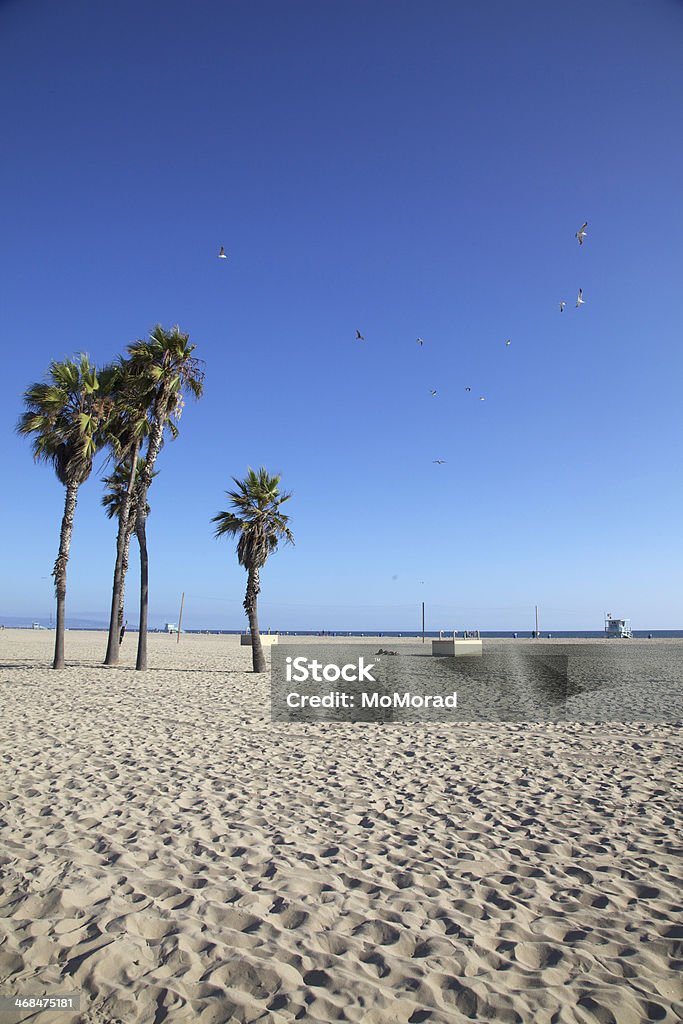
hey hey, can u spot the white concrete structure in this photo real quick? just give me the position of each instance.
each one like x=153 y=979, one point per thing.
x=455 y=648
x=267 y=639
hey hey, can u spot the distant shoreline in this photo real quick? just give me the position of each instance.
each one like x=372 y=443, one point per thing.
x=638 y=634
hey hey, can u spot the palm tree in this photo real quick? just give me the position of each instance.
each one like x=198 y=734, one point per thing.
x=168 y=371
x=125 y=434
x=65 y=416
x=114 y=502
x=259 y=523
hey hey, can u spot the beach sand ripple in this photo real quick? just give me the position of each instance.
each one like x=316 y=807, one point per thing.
x=174 y=856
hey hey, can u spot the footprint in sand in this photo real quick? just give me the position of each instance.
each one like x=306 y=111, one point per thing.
x=318 y=979
x=537 y=955
x=599 y=1012
x=379 y=932
x=377 y=961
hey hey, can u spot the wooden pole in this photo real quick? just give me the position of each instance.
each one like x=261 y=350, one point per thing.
x=180 y=617
x=423 y=622
x=537 y=622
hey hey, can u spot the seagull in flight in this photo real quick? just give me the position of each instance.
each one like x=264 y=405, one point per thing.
x=481 y=398
x=579 y=298
x=221 y=254
x=438 y=462
x=562 y=305
x=508 y=342
x=432 y=392
x=581 y=233
x=359 y=336
x=468 y=389
x=420 y=341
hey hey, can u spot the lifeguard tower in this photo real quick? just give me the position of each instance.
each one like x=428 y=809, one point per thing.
x=619 y=628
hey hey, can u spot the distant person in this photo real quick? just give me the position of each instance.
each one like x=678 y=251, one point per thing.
x=123 y=632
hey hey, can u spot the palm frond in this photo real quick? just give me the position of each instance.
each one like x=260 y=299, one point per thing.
x=65 y=415
x=256 y=517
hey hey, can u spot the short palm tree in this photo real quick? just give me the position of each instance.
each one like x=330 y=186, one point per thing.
x=258 y=522
x=65 y=416
x=168 y=371
x=114 y=502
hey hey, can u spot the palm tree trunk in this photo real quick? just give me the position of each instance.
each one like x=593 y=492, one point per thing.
x=258 y=658
x=112 y=655
x=124 y=571
x=59 y=571
x=140 y=533
x=153 y=448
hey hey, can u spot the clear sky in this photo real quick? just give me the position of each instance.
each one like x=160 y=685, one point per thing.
x=408 y=169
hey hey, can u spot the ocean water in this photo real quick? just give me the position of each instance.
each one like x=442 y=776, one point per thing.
x=596 y=634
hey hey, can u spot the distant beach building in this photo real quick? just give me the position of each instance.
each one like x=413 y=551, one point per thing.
x=620 y=628
x=170 y=627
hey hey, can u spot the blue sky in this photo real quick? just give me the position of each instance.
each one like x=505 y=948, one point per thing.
x=406 y=169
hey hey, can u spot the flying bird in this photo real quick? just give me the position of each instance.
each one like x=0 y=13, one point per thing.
x=438 y=462
x=579 y=298
x=468 y=389
x=481 y=398
x=420 y=341
x=508 y=342
x=359 y=336
x=562 y=305
x=221 y=254
x=432 y=392
x=581 y=233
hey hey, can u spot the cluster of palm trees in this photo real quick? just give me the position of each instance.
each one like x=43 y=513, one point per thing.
x=127 y=409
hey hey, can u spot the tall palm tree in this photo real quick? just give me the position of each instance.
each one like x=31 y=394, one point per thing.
x=114 y=502
x=259 y=524
x=65 y=416
x=166 y=365
x=126 y=430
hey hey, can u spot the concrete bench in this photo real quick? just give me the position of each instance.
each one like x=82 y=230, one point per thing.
x=454 y=648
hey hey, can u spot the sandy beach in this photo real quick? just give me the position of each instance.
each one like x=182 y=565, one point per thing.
x=172 y=855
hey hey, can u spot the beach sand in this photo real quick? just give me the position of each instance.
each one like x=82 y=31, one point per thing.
x=172 y=855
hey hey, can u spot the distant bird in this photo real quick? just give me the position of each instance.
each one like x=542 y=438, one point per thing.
x=420 y=341
x=481 y=398
x=359 y=336
x=581 y=233
x=508 y=342
x=432 y=392
x=221 y=254
x=468 y=389
x=579 y=298
x=438 y=462
x=562 y=305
